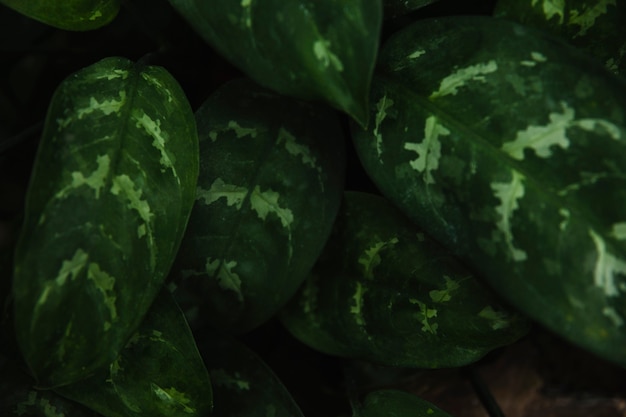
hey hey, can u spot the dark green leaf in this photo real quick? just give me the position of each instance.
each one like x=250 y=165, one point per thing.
x=68 y=14
x=392 y=403
x=244 y=386
x=110 y=194
x=269 y=189
x=510 y=149
x=394 y=8
x=595 y=26
x=159 y=373
x=311 y=49
x=385 y=292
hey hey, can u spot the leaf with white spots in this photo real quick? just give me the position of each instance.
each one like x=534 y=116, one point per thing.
x=266 y=197
x=159 y=372
x=510 y=149
x=78 y=15
x=319 y=50
x=384 y=292
x=110 y=195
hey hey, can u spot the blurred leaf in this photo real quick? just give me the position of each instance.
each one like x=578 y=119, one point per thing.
x=109 y=197
x=392 y=403
x=509 y=148
x=385 y=292
x=310 y=49
x=158 y=373
x=269 y=189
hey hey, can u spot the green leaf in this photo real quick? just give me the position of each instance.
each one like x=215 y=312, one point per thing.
x=385 y=292
x=77 y=15
x=110 y=194
x=269 y=189
x=244 y=386
x=595 y=26
x=510 y=149
x=310 y=49
x=397 y=404
x=158 y=373
x=395 y=8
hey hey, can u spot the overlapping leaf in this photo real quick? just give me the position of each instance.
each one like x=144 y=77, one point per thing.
x=509 y=147
x=385 y=292
x=595 y=26
x=269 y=189
x=68 y=14
x=311 y=49
x=109 y=197
x=244 y=386
x=159 y=372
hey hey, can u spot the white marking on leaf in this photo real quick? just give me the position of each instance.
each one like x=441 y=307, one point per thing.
x=445 y=294
x=418 y=53
x=266 y=202
x=357 y=307
x=72 y=267
x=173 y=398
x=233 y=194
x=509 y=194
x=566 y=217
x=499 y=320
x=222 y=378
x=370 y=258
x=321 y=49
x=586 y=18
x=383 y=104
x=619 y=231
x=451 y=84
x=552 y=8
x=542 y=138
x=240 y=131
x=425 y=316
x=160 y=138
x=107 y=106
x=614 y=316
x=247 y=12
x=607 y=267
x=429 y=150
x=223 y=272
x=104 y=283
x=159 y=85
x=95 y=180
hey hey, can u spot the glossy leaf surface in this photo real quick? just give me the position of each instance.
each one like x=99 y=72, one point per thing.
x=385 y=292
x=595 y=26
x=110 y=194
x=394 y=8
x=269 y=189
x=158 y=373
x=510 y=149
x=310 y=49
x=68 y=14
x=397 y=404
x=244 y=386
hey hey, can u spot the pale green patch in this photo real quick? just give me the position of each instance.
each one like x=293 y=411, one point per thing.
x=94 y=181
x=95 y=15
x=111 y=75
x=445 y=294
x=425 y=316
x=107 y=106
x=542 y=138
x=299 y=150
x=223 y=272
x=509 y=193
x=321 y=49
x=607 y=267
x=619 y=231
x=565 y=213
x=124 y=186
x=233 y=194
x=159 y=85
x=430 y=411
x=35 y=406
x=173 y=398
x=221 y=378
x=159 y=139
x=451 y=84
x=499 y=320
x=586 y=18
x=370 y=259
x=536 y=57
x=247 y=12
x=357 y=307
x=104 y=283
x=72 y=267
x=552 y=8
x=266 y=202
x=418 y=53
x=614 y=316
x=381 y=113
x=241 y=132
x=429 y=150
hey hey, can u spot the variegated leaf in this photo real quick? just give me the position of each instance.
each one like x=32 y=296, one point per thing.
x=510 y=148
x=109 y=198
